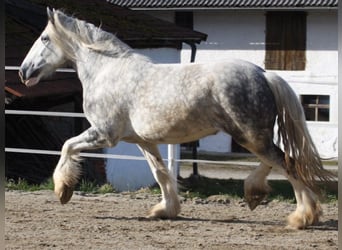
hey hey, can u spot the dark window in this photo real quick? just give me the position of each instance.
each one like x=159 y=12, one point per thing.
x=316 y=107
x=184 y=19
x=285 y=40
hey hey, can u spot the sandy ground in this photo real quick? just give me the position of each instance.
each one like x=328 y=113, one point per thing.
x=36 y=220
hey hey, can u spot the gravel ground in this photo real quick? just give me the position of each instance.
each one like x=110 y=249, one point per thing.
x=36 y=220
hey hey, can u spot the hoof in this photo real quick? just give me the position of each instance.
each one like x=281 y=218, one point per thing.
x=64 y=193
x=254 y=201
x=300 y=220
x=160 y=211
x=255 y=197
x=296 y=221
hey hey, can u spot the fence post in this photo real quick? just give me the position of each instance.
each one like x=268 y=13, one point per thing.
x=171 y=159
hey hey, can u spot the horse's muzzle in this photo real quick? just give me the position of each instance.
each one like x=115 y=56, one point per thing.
x=21 y=75
x=29 y=75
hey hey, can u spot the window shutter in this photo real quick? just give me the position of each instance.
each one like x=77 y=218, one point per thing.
x=285 y=40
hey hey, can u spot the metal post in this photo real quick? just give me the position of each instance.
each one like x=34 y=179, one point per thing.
x=171 y=157
x=194 y=156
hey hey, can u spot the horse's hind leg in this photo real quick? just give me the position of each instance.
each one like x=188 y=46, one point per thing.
x=256 y=187
x=67 y=171
x=169 y=207
x=308 y=208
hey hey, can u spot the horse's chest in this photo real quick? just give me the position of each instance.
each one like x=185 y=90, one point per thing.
x=102 y=109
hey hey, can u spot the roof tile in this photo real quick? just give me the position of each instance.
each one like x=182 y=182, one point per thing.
x=226 y=3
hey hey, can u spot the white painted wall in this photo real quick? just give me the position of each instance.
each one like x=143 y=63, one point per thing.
x=129 y=175
x=162 y=55
x=230 y=35
x=322 y=44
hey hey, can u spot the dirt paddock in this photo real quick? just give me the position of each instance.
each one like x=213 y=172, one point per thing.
x=36 y=220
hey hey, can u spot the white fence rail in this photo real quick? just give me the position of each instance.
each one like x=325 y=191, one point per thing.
x=58 y=70
x=43 y=113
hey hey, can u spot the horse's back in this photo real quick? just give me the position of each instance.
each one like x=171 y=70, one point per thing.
x=200 y=99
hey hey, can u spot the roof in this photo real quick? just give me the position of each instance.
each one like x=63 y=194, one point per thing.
x=136 y=29
x=243 y=4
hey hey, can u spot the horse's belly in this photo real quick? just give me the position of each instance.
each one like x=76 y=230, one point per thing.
x=175 y=138
x=163 y=132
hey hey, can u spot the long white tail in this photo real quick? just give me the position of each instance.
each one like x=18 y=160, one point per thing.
x=301 y=156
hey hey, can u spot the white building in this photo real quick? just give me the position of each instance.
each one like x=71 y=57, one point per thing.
x=296 y=39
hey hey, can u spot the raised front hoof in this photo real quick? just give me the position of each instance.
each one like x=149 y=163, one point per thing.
x=160 y=211
x=64 y=192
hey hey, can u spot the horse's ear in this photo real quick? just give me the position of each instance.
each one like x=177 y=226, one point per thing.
x=50 y=15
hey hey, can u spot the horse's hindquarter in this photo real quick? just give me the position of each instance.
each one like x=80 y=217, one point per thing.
x=248 y=106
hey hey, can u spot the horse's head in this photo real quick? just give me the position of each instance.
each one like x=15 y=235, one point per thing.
x=44 y=57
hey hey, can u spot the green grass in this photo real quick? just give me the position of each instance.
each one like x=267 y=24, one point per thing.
x=93 y=187
x=204 y=187
x=192 y=187
x=23 y=185
x=83 y=186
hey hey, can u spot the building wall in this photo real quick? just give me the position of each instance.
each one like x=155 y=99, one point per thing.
x=241 y=34
x=162 y=55
x=230 y=35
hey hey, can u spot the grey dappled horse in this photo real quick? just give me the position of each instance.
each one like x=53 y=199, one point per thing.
x=127 y=97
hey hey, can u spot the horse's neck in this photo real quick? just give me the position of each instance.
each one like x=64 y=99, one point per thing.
x=90 y=66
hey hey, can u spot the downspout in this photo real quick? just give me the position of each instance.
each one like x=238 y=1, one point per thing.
x=194 y=144
x=193 y=52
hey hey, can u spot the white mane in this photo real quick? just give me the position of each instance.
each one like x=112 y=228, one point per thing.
x=84 y=34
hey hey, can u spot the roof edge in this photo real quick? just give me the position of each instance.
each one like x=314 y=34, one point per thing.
x=233 y=8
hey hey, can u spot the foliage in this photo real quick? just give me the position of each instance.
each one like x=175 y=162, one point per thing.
x=87 y=186
x=106 y=188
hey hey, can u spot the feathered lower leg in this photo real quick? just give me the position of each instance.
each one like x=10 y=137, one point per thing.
x=68 y=171
x=169 y=207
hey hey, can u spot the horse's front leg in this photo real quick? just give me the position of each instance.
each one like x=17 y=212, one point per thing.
x=67 y=171
x=169 y=207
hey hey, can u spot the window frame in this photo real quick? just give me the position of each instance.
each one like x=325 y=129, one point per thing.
x=316 y=106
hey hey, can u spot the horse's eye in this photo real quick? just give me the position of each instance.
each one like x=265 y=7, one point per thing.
x=45 y=39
